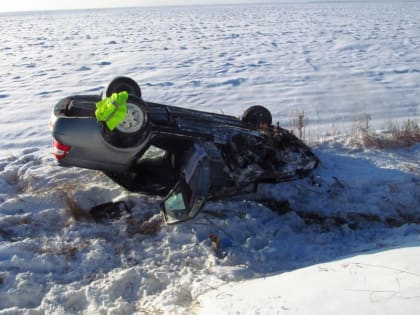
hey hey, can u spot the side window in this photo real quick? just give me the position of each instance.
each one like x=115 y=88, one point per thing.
x=174 y=206
x=175 y=202
x=153 y=153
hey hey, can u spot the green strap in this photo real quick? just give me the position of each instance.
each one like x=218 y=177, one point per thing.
x=112 y=110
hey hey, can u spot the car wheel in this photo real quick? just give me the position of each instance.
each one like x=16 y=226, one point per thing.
x=133 y=129
x=135 y=118
x=257 y=115
x=120 y=84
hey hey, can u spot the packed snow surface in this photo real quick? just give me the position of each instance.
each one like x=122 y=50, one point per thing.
x=337 y=62
x=374 y=283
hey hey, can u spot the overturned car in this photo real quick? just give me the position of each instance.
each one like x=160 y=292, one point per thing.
x=185 y=155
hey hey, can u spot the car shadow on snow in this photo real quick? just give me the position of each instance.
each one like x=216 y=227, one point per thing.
x=349 y=205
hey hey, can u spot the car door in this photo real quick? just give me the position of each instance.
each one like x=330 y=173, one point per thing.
x=186 y=199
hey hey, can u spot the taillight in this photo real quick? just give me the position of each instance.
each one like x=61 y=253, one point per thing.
x=60 y=150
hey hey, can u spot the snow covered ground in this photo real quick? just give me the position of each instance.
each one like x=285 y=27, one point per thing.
x=335 y=61
x=373 y=283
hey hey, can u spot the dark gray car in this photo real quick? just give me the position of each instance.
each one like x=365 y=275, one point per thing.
x=185 y=155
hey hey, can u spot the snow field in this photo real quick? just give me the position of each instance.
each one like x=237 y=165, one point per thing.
x=334 y=61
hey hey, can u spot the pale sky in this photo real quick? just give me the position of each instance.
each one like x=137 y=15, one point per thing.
x=30 y=5
x=35 y=5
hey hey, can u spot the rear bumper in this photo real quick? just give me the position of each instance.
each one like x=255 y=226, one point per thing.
x=88 y=149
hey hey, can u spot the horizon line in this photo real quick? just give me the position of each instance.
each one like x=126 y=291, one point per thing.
x=268 y=2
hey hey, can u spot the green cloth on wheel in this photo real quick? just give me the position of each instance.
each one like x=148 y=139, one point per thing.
x=112 y=110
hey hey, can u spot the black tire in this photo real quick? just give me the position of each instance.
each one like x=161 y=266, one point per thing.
x=133 y=130
x=257 y=115
x=120 y=84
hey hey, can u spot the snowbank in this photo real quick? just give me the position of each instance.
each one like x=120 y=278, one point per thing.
x=384 y=282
